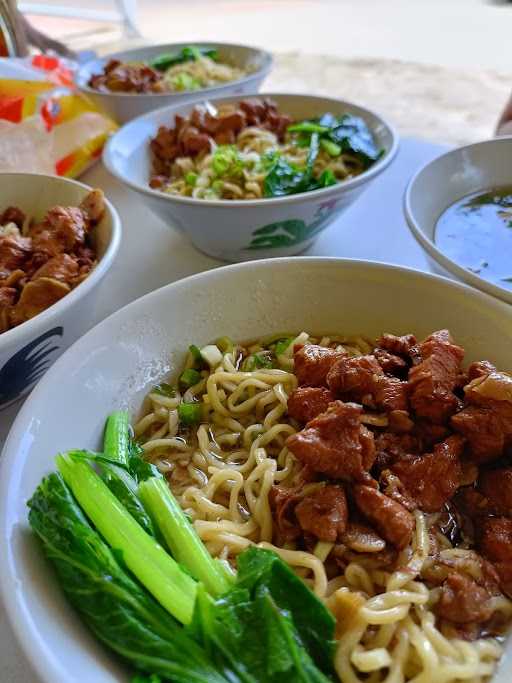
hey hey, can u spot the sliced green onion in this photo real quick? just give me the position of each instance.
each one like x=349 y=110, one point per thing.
x=225 y=344
x=183 y=541
x=332 y=149
x=191 y=178
x=164 y=389
x=282 y=345
x=217 y=186
x=143 y=556
x=261 y=359
x=307 y=127
x=189 y=377
x=190 y=413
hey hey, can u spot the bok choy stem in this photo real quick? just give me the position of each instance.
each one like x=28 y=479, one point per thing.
x=117 y=437
x=148 y=561
x=182 y=539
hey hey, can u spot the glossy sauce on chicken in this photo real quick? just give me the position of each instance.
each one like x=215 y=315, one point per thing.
x=42 y=261
x=379 y=470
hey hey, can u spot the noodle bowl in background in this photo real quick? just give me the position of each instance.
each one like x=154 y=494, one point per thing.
x=223 y=466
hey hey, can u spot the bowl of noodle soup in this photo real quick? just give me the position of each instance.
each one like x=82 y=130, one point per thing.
x=248 y=218
x=223 y=465
x=237 y=69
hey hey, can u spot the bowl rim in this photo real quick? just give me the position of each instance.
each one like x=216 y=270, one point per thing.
x=429 y=245
x=260 y=72
x=42 y=320
x=33 y=647
x=361 y=179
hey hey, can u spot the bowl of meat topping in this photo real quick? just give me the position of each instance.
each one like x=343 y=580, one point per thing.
x=252 y=178
x=58 y=238
x=290 y=448
x=130 y=83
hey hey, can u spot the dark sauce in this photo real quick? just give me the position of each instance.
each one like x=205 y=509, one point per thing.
x=476 y=233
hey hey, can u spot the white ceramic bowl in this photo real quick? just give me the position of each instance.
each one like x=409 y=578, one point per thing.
x=26 y=351
x=114 y=365
x=126 y=106
x=442 y=182
x=232 y=230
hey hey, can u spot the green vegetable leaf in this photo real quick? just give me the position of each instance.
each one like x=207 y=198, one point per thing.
x=124 y=487
x=189 y=53
x=118 y=610
x=352 y=135
x=314 y=623
x=282 y=345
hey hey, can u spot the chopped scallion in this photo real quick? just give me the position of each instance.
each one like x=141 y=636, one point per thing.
x=189 y=413
x=189 y=377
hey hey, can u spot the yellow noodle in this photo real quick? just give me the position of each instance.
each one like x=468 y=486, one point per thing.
x=222 y=473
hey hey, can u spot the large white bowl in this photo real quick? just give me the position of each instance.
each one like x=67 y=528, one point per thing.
x=114 y=365
x=126 y=106
x=442 y=182
x=232 y=230
x=26 y=351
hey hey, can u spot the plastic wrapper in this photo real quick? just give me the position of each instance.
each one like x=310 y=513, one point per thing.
x=46 y=125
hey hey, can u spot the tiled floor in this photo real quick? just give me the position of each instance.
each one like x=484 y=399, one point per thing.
x=461 y=33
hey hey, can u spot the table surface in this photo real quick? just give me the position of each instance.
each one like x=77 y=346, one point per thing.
x=152 y=254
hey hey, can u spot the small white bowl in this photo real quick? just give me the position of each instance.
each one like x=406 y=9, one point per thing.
x=28 y=350
x=229 y=229
x=442 y=182
x=114 y=365
x=124 y=107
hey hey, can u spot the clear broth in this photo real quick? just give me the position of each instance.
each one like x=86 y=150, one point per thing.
x=476 y=233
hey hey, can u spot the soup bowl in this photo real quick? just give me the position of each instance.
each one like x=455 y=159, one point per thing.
x=240 y=230
x=442 y=182
x=28 y=350
x=124 y=106
x=115 y=364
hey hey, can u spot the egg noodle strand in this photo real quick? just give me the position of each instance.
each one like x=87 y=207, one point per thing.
x=222 y=473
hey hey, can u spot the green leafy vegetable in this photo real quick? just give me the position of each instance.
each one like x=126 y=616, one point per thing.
x=189 y=53
x=184 y=543
x=285 y=178
x=314 y=623
x=352 y=134
x=121 y=613
x=117 y=436
x=330 y=147
x=124 y=488
x=190 y=413
x=148 y=561
x=226 y=628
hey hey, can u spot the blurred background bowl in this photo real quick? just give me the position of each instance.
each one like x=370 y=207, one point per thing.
x=442 y=182
x=124 y=106
x=232 y=230
x=114 y=365
x=28 y=350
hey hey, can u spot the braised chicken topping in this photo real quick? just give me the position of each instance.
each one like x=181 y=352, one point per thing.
x=42 y=261
x=202 y=130
x=396 y=432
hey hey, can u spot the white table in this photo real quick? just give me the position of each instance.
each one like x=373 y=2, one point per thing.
x=153 y=255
